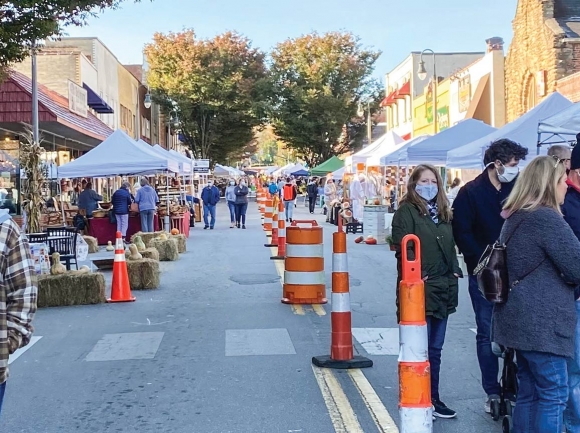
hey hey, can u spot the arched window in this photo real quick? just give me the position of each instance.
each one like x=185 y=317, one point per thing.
x=530 y=93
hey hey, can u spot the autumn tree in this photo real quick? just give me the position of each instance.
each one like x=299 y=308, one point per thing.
x=214 y=85
x=318 y=82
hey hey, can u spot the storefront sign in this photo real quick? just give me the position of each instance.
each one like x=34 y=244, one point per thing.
x=201 y=166
x=442 y=118
x=77 y=99
x=464 y=93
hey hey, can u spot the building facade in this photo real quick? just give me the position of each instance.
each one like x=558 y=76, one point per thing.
x=545 y=49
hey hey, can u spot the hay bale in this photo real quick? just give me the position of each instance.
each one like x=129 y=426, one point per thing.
x=150 y=253
x=167 y=249
x=143 y=274
x=181 y=242
x=146 y=237
x=71 y=288
x=92 y=243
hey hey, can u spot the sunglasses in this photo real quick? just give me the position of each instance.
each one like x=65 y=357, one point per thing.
x=560 y=160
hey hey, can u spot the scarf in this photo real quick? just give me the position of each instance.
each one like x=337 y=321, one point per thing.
x=433 y=210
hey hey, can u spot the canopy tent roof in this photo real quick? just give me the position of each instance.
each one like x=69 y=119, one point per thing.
x=388 y=143
x=363 y=154
x=294 y=168
x=224 y=171
x=523 y=130
x=186 y=161
x=282 y=170
x=565 y=124
x=302 y=172
x=338 y=174
x=327 y=166
x=271 y=170
x=398 y=154
x=118 y=155
x=161 y=153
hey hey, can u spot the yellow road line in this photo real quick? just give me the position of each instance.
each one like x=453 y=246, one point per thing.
x=298 y=309
x=319 y=309
x=341 y=413
x=373 y=403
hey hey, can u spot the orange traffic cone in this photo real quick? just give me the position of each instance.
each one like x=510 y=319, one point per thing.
x=120 y=289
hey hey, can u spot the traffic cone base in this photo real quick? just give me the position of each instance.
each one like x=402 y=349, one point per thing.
x=326 y=361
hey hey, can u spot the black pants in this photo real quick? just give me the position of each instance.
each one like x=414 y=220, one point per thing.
x=240 y=213
x=311 y=203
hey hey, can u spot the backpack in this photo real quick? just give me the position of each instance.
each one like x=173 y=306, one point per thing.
x=289 y=192
x=272 y=189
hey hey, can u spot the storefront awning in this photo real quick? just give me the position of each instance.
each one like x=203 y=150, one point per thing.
x=389 y=100
x=96 y=102
x=405 y=90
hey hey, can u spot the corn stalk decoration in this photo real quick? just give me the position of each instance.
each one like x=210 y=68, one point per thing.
x=31 y=163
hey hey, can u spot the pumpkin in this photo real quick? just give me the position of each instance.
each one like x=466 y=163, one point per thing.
x=371 y=241
x=359 y=239
x=377 y=202
x=174 y=231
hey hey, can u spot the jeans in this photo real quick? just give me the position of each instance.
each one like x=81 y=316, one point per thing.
x=572 y=412
x=436 y=329
x=122 y=224
x=542 y=393
x=2 y=390
x=289 y=208
x=241 y=213
x=147 y=221
x=209 y=210
x=488 y=362
x=311 y=203
x=232 y=207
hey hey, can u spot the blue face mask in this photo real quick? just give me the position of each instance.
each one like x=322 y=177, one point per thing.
x=427 y=192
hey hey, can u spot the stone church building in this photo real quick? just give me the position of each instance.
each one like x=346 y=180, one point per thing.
x=544 y=51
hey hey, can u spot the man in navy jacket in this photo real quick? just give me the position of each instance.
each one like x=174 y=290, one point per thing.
x=210 y=196
x=477 y=223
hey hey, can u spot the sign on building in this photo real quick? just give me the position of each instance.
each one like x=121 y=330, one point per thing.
x=77 y=99
x=464 y=93
x=201 y=166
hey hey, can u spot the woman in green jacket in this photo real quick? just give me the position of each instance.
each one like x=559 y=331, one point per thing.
x=426 y=213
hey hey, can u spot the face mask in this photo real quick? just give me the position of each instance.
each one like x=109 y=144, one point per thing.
x=232 y=183
x=209 y=184
x=427 y=192
x=509 y=174
x=242 y=183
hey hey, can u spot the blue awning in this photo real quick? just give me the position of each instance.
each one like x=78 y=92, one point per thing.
x=96 y=102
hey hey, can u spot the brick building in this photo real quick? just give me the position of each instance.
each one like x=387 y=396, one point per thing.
x=544 y=50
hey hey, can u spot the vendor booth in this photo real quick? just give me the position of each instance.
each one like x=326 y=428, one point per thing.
x=328 y=166
x=560 y=128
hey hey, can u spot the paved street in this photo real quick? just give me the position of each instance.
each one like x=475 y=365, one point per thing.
x=214 y=351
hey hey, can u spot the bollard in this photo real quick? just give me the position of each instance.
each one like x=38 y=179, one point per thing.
x=415 y=407
x=268 y=215
x=341 y=348
x=304 y=278
x=274 y=242
x=281 y=233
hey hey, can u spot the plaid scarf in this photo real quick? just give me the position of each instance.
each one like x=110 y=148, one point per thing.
x=433 y=210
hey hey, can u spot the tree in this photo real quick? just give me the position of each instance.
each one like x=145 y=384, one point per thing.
x=26 y=21
x=317 y=84
x=215 y=86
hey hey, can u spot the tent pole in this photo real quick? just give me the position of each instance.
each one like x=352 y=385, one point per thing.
x=166 y=218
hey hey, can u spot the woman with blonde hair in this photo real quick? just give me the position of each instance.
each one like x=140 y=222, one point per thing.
x=425 y=212
x=539 y=318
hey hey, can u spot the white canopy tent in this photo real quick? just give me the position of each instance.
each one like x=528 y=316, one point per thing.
x=221 y=171
x=294 y=168
x=271 y=170
x=363 y=154
x=282 y=170
x=118 y=155
x=562 y=126
x=523 y=130
x=183 y=158
x=159 y=151
x=184 y=166
x=395 y=156
x=386 y=144
x=338 y=174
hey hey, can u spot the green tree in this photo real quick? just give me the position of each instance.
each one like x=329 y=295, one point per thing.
x=214 y=85
x=25 y=21
x=317 y=84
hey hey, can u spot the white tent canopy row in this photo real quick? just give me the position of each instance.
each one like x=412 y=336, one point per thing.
x=225 y=171
x=564 y=126
x=388 y=143
x=390 y=139
x=523 y=130
x=184 y=168
x=398 y=154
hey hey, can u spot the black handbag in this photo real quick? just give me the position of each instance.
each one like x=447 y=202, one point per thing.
x=112 y=217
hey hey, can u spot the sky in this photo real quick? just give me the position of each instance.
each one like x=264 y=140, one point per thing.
x=395 y=27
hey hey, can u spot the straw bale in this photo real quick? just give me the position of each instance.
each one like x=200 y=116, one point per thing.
x=181 y=242
x=146 y=237
x=92 y=243
x=71 y=288
x=167 y=249
x=143 y=274
x=150 y=253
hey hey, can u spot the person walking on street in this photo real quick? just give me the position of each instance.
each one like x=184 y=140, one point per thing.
x=539 y=318
x=280 y=186
x=425 y=212
x=272 y=188
x=89 y=200
x=571 y=211
x=121 y=200
x=231 y=200
x=147 y=200
x=241 y=192
x=330 y=195
x=312 y=191
x=477 y=223
x=18 y=294
x=210 y=196
x=288 y=196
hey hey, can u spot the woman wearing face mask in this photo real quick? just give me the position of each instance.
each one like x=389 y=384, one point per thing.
x=425 y=212
x=231 y=200
x=241 y=193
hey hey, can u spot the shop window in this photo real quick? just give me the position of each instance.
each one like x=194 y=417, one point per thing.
x=9 y=168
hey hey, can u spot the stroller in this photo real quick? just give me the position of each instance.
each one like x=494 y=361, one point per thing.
x=503 y=407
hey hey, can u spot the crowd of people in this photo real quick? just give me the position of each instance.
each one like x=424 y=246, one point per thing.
x=536 y=215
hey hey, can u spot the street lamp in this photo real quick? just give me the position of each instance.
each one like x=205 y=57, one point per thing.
x=360 y=112
x=147 y=101
x=422 y=75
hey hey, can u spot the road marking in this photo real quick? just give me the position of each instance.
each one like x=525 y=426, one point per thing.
x=340 y=411
x=126 y=346
x=251 y=342
x=20 y=351
x=378 y=341
x=377 y=409
x=319 y=309
x=297 y=309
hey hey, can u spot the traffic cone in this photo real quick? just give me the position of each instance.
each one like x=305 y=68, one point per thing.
x=281 y=234
x=120 y=289
x=341 y=349
x=274 y=242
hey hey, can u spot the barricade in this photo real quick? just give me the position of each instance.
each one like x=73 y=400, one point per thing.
x=281 y=233
x=415 y=407
x=120 y=289
x=341 y=350
x=274 y=241
x=268 y=214
x=304 y=278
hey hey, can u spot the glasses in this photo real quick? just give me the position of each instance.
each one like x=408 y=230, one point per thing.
x=560 y=160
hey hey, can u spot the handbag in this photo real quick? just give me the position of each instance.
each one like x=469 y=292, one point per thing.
x=492 y=273
x=112 y=217
x=134 y=207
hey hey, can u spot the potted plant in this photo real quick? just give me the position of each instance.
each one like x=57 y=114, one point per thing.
x=390 y=242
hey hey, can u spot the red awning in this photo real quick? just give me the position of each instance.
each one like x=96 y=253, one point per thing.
x=406 y=136
x=405 y=90
x=389 y=100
